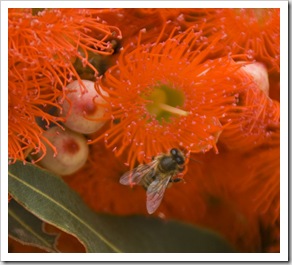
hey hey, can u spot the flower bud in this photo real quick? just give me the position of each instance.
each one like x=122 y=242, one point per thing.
x=83 y=108
x=70 y=154
x=260 y=75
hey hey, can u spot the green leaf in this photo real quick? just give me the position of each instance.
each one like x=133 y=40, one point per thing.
x=48 y=197
x=28 y=229
x=139 y=234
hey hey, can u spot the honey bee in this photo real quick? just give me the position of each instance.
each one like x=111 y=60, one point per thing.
x=155 y=176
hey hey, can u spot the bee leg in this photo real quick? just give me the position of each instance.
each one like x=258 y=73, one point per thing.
x=176 y=180
x=181 y=169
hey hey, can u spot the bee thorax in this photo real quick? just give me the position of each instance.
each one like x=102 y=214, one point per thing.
x=167 y=164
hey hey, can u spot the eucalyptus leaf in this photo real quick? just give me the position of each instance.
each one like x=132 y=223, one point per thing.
x=49 y=197
x=26 y=228
x=152 y=235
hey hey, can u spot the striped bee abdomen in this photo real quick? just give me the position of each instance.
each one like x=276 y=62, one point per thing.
x=148 y=179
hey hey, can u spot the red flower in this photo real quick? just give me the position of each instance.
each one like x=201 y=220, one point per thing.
x=254 y=125
x=131 y=20
x=168 y=93
x=41 y=50
x=165 y=94
x=263 y=182
x=254 y=31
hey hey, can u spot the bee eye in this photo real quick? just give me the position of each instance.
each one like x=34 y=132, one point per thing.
x=173 y=151
x=179 y=160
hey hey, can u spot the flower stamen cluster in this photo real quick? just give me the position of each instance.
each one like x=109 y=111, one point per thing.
x=42 y=48
x=167 y=94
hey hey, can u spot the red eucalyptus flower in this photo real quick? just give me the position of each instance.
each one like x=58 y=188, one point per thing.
x=254 y=31
x=166 y=94
x=257 y=123
x=41 y=50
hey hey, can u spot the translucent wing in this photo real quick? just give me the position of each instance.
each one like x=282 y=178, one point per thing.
x=155 y=193
x=134 y=177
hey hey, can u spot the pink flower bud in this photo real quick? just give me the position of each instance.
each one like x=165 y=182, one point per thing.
x=83 y=108
x=260 y=75
x=70 y=154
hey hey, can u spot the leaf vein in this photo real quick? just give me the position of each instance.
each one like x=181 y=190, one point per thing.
x=68 y=211
x=27 y=228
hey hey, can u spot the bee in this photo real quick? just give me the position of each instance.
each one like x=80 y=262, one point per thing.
x=156 y=175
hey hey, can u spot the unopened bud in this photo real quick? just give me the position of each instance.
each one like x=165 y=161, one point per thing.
x=260 y=75
x=83 y=109
x=71 y=151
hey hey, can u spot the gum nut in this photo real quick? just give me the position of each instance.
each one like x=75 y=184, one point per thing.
x=260 y=75
x=72 y=151
x=83 y=108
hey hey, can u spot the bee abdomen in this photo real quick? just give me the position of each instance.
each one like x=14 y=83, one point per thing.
x=148 y=179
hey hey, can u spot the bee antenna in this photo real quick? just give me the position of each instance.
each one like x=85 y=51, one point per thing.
x=200 y=162
x=187 y=153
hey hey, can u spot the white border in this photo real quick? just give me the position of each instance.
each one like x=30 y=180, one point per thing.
x=284 y=129
x=282 y=256
x=144 y=4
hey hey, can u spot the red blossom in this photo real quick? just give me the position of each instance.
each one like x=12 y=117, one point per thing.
x=254 y=31
x=167 y=94
x=184 y=89
x=41 y=50
x=255 y=124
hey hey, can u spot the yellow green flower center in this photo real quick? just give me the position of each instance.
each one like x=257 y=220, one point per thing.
x=165 y=102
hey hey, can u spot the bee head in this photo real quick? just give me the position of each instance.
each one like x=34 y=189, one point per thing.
x=177 y=156
x=174 y=152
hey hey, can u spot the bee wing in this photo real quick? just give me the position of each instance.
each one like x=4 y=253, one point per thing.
x=155 y=194
x=134 y=177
